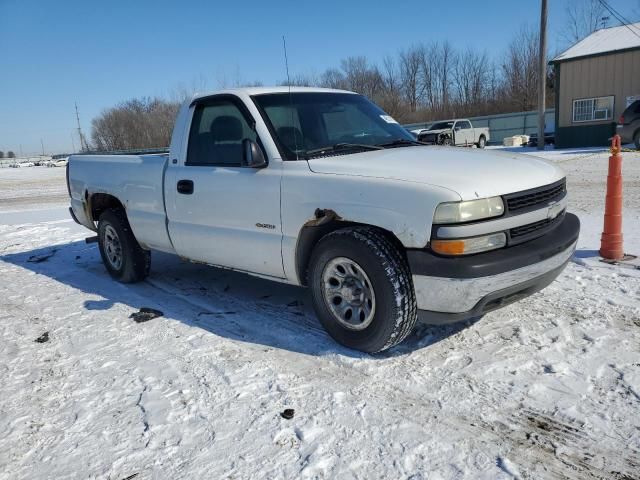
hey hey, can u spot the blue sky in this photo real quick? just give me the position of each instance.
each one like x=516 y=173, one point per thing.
x=98 y=53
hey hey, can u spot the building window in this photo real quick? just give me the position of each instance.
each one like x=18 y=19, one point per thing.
x=593 y=109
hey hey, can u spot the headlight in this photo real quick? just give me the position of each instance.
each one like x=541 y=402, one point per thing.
x=466 y=246
x=458 y=212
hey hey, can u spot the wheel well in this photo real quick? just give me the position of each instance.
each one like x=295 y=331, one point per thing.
x=312 y=233
x=99 y=202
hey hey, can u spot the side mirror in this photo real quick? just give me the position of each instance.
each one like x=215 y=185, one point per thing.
x=252 y=156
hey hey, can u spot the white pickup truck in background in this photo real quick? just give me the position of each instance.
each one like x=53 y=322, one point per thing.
x=321 y=188
x=459 y=132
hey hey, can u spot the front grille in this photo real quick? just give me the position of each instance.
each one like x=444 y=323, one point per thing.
x=534 y=229
x=428 y=138
x=530 y=199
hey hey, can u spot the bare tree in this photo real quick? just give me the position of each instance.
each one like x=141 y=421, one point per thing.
x=438 y=60
x=447 y=58
x=410 y=61
x=1 y=154
x=10 y=154
x=520 y=71
x=390 y=97
x=137 y=123
x=583 y=18
x=471 y=79
x=360 y=76
x=428 y=76
x=333 y=78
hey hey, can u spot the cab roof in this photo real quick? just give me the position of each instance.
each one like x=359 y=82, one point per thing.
x=267 y=90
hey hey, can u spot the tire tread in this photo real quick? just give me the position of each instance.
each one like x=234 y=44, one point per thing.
x=138 y=263
x=397 y=271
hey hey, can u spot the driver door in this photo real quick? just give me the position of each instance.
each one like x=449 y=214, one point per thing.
x=222 y=213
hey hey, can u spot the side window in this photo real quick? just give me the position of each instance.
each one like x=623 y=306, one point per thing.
x=217 y=132
x=464 y=125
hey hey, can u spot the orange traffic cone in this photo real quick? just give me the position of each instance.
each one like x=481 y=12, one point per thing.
x=611 y=240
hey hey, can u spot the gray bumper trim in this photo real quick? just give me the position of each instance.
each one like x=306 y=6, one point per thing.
x=458 y=295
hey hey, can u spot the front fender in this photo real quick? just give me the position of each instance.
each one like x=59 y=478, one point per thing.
x=403 y=208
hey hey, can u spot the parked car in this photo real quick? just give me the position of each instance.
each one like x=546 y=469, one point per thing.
x=628 y=126
x=549 y=138
x=58 y=163
x=22 y=164
x=460 y=132
x=321 y=188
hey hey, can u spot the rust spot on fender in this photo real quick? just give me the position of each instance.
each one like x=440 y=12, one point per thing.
x=322 y=216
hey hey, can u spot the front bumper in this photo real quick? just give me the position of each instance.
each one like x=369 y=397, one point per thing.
x=453 y=289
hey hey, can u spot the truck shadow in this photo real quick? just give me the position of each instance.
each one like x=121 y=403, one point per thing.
x=225 y=303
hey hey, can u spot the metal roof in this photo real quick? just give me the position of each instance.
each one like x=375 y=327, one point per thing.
x=606 y=40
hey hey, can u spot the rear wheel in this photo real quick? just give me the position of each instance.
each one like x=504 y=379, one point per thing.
x=362 y=290
x=482 y=142
x=122 y=255
x=636 y=139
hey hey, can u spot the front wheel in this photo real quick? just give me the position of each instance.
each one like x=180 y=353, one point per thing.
x=636 y=140
x=362 y=289
x=124 y=259
x=446 y=142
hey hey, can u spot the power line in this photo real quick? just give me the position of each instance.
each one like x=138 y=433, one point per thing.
x=619 y=17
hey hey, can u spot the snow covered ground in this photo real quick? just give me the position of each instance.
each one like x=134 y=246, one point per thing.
x=545 y=388
x=32 y=188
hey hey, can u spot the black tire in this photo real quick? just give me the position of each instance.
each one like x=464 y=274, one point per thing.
x=395 y=312
x=446 y=142
x=636 y=139
x=482 y=142
x=134 y=262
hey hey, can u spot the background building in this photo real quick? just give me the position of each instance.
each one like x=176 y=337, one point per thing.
x=595 y=81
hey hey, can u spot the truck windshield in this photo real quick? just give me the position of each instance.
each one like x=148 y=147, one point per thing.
x=441 y=125
x=313 y=124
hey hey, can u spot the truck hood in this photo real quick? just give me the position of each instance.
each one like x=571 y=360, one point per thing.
x=441 y=130
x=472 y=173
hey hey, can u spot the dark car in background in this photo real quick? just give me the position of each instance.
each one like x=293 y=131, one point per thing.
x=549 y=138
x=629 y=124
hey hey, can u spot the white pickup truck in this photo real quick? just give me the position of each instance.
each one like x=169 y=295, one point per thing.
x=321 y=188
x=459 y=132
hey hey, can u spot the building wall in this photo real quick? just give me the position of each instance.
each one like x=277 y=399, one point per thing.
x=616 y=74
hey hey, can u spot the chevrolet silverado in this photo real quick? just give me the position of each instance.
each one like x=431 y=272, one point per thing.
x=321 y=188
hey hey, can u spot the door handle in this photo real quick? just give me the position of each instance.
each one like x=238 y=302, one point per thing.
x=185 y=187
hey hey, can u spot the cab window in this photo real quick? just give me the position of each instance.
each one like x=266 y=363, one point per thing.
x=217 y=131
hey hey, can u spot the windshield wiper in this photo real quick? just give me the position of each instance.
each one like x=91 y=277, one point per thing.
x=342 y=146
x=400 y=142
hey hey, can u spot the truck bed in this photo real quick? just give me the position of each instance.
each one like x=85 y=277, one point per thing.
x=135 y=180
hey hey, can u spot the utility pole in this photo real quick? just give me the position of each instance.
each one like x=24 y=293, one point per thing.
x=83 y=144
x=542 y=73
x=42 y=144
x=73 y=144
